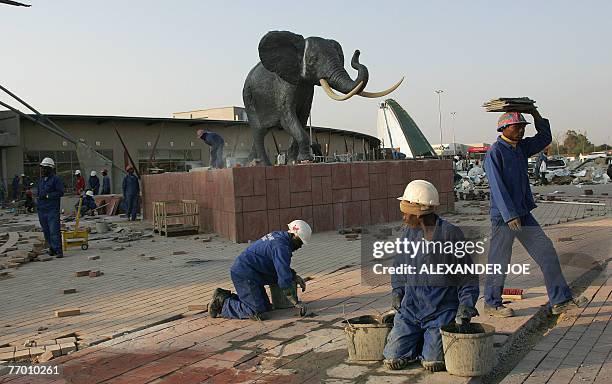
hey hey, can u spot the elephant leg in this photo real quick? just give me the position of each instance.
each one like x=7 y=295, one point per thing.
x=293 y=126
x=292 y=151
x=259 y=136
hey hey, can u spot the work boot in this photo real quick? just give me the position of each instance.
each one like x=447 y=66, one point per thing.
x=216 y=304
x=433 y=366
x=577 y=302
x=500 y=311
x=398 y=363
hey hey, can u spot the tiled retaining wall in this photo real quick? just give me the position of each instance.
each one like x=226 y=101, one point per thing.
x=245 y=203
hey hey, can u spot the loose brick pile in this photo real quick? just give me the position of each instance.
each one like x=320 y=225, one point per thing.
x=247 y=202
x=54 y=348
x=17 y=248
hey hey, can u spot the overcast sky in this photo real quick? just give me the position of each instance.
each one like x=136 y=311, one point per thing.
x=152 y=58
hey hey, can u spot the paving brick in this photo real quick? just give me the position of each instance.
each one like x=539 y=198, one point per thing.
x=67 y=312
x=82 y=273
x=300 y=178
x=95 y=257
x=68 y=291
x=21 y=354
x=341 y=195
x=341 y=176
x=359 y=194
x=300 y=199
x=272 y=198
x=359 y=175
x=254 y=203
x=323 y=217
x=67 y=348
x=277 y=172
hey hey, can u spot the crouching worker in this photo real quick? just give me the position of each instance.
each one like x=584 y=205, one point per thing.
x=88 y=206
x=266 y=261
x=425 y=303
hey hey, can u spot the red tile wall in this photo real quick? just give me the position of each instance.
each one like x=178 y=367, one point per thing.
x=245 y=203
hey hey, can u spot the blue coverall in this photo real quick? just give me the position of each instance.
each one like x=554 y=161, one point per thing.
x=94 y=184
x=106 y=185
x=216 y=143
x=428 y=301
x=50 y=192
x=131 y=190
x=511 y=197
x=87 y=205
x=266 y=261
x=15 y=185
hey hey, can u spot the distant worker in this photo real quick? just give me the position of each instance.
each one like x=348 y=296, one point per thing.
x=79 y=187
x=50 y=192
x=542 y=170
x=88 y=205
x=538 y=163
x=266 y=261
x=511 y=205
x=106 y=182
x=29 y=199
x=94 y=182
x=131 y=191
x=15 y=186
x=216 y=143
x=425 y=303
x=25 y=183
x=2 y=193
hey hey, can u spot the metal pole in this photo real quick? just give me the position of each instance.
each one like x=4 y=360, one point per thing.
x=453 y=128
x=439 y=92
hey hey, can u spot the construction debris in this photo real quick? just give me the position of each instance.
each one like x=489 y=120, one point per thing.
x=95 y=273
x=82 y=273
x=68 y=291
x=96 y=257
x=67 y=312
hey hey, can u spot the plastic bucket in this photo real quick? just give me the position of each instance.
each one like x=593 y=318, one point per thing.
x=279 y=300
x=468 y=354
x=366 y=337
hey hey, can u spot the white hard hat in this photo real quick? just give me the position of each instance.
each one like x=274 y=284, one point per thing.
x=301 y=229
x=89 y=193
x=47 y=162
x=77 y=172
x=421 y=192
x=93 y=173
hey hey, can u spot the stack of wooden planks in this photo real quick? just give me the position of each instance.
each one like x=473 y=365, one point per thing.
x=509 y=104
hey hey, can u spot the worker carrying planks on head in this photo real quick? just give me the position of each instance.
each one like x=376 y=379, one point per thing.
x=426 y=302
x=511 y=204
x=267 y=261
x=50 y=192
x=216 y=143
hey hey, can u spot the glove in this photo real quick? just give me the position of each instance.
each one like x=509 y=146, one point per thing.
x=515 y=224
x=465 y=314
x=396 y=301
x=291 y=294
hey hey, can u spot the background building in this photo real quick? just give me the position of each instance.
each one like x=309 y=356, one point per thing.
x=223 y=113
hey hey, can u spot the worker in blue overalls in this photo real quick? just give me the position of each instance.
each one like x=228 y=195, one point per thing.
x=88 y=204
x=50 y=192
x=267 y=261
x=511 y=204
x=425 y=303
x=131 y=192
x=216 y=143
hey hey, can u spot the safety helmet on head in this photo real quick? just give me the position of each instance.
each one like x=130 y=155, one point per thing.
x=93 y=173
x=89 y=193
x=301 y=229
x=77 y=172
x=47 y=162
x=421 y=192
x=510 y=118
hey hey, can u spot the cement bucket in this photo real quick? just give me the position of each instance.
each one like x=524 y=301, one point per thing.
x=366 y=337
x=279 y=300
x=470 y=352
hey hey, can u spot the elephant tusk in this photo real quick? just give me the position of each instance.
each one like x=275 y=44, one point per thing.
x=381 y=93
x=330 y=92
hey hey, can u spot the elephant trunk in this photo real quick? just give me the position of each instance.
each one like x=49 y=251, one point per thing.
x=340 y=80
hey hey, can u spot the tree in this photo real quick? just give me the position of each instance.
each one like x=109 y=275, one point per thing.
x=576 y=143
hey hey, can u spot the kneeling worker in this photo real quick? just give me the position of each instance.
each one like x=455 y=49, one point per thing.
x=266 y=261
x=88 y=205
x=425 y=303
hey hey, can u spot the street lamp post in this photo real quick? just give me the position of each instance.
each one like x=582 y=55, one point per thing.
x=453 y=129
x=439 y=92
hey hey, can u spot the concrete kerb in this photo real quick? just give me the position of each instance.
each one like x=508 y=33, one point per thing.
x=528 y=335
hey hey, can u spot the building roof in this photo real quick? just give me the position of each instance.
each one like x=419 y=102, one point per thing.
x=190 y=122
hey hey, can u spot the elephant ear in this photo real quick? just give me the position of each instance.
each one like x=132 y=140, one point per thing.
x=338 y=48
x=281 y=52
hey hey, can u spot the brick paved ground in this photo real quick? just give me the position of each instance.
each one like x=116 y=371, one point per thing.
x=578 y=349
